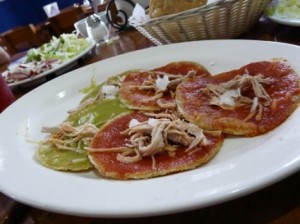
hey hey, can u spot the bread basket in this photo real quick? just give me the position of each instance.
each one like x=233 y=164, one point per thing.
x=222 y=19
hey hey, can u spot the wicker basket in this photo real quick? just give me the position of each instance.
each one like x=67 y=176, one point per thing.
x=219 y=20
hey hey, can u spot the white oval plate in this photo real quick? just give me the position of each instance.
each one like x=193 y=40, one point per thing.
x=242 y=166
x=54 y=69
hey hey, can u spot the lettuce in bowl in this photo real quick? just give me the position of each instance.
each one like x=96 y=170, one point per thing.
x=62 y=48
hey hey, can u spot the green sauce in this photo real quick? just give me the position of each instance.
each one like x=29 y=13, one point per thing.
x=53 y=158
x=93 y=89
x=97 y=114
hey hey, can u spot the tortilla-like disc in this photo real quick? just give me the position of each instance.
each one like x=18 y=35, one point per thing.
x=134 y=98
x=108 y=166
x=284 y=91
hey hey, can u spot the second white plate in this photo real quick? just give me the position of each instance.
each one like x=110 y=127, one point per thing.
x=58 y=68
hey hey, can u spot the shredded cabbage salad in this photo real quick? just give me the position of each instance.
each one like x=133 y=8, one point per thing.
x=289 y=8
x=48 y=56
x=285 y=8
x=63 y=48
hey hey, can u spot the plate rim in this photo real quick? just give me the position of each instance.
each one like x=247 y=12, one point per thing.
x=284 y=20
x=125 y=213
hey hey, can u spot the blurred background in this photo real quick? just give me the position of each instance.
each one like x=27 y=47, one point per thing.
x=15 y=13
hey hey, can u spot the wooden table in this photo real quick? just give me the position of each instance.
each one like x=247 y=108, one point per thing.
x=276 y=204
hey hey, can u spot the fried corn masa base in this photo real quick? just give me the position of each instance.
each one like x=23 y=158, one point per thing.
x=108 y=166
x=134 y=98
x=284 y=93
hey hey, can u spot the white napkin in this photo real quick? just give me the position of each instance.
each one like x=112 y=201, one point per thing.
x=139 y=16
x=51 y=9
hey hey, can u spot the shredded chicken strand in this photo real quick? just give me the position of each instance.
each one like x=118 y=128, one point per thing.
x=171 y=81
x=153 y=162
x=166 y=105
x=259 y=90
x=228 y=95
x=252 y=109
x=68 y=137
x=161 y=132
x=116 y=149
x=259 y=113
x=157 y=96
x=171 y=115
x=95 y=99
x=126 y=157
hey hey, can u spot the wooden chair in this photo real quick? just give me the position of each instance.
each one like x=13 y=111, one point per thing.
x=20 y=39
x=64 y=21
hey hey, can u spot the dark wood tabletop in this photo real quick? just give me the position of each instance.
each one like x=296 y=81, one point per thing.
x=275 y=204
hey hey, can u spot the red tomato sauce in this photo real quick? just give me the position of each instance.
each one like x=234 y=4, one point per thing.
x=110 y=137
x=284 y=92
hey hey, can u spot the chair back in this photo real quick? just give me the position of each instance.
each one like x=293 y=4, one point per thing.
x=64 y=21
x=20 y=39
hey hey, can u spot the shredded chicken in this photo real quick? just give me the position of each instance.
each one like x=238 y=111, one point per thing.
x=162 y=82
x=229 y=95
x=67 y=137
x=95 y=99
x=161 y=132
x=166 y=105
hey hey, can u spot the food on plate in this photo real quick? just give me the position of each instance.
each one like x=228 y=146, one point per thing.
x=154 y=89
x=248 y=101
x=284 y=8
x=46 y=57
x=120 y=130
x=62 y=48
x=64 y=147
x=108 y=89
x=142 y=145
x=159 y=8
x=22 y=71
